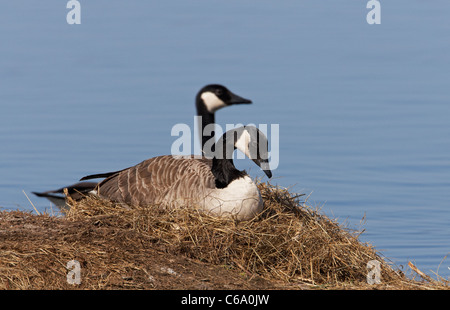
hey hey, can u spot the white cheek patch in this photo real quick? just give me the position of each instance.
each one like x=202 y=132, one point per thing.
x=212 y=102
x=243 y=142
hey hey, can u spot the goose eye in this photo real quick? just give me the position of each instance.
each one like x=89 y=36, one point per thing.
x=219 y=92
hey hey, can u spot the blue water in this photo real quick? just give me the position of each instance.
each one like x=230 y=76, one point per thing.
x=364 y=110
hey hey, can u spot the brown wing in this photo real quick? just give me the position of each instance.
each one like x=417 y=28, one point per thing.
x=163 y=179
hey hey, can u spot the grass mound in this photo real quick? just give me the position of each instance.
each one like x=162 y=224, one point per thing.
x=289 y=241
x=288 y=246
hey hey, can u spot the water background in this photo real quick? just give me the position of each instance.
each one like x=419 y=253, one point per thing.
x=364 y=110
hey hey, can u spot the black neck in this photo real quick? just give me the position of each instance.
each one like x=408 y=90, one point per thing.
x=223 y=167
x=207 y=118
x=225 y=172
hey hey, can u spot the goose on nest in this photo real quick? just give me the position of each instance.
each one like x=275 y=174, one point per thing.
x=213 y=185
x=208 y=100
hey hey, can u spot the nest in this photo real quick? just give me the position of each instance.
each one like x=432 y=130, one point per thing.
x=288 y=246
x=288 y=241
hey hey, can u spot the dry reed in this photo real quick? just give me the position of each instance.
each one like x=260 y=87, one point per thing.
x=289 y=241
x=288 y=246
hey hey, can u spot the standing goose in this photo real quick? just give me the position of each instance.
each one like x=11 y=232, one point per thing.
x=213 y=185
x=208 y=100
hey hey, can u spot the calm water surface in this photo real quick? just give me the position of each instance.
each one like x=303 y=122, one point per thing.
x=363 y=109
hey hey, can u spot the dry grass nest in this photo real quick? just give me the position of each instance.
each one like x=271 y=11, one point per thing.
x=288 y=241
x=288 y=246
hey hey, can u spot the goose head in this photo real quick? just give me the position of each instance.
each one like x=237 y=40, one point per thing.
x=254 y=144
x=214 y=97
x=250 y=141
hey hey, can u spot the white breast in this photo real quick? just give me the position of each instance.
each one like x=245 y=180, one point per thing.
x=241 y=200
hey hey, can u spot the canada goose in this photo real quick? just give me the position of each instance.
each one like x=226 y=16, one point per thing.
x=208 y=100
x=214 y=185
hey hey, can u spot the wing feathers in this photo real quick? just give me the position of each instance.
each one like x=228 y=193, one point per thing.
x=162 y=179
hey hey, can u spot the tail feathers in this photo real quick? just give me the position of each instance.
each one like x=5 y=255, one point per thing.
x=75 y=191
x=59 y=201
x=46 y=195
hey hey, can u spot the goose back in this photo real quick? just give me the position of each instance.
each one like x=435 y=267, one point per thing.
x=167 y=180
